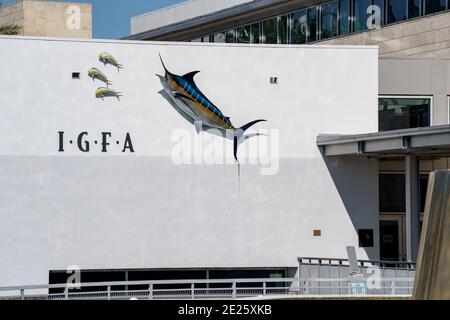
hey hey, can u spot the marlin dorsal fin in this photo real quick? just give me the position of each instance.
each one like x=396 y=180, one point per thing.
x=190 y=76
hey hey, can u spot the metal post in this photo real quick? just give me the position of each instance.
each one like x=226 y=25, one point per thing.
x=412 y=206
x=109 y=292
x=126 y=280
x=234 y=290
x=193 y=291
x=150 y=291
x=264 y=288
x=66 y=293
x=22 y=294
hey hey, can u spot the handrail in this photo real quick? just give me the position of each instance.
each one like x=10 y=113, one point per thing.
x=361 y=262
x=345 y=259
x=194 y=281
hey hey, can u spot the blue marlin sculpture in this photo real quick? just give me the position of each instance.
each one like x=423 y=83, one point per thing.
x=195 y=107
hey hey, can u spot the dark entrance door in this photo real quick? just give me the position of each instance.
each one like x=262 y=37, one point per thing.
x=389 y=241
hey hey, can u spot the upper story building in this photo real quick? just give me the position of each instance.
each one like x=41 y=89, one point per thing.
x=49 y=18
x=406 y=28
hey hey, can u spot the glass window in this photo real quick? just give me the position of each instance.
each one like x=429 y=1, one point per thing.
x=392 y=192
x=414 y=8
x=255 y=29
x=283 y=30
x=197 y=40
x=229 y=36
x=344 y=14
x=205 y=39
x=243 y=34
x=401 y=113
x=219 y=37
x=299 y=27
x=396 y=10
x=329 y=20
x=270 y=31
x=423 y=186
x=360 y=14
x=432 y=6
x=312 y=24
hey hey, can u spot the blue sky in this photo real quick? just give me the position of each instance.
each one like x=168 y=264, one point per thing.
x=111 y=18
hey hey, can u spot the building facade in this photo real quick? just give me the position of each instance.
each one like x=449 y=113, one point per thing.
x=49 y=18
x=413 y=37
x=124 y=185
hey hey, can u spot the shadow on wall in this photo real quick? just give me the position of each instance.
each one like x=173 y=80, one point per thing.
x=356 y=180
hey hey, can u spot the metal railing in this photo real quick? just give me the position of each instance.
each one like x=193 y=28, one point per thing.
x=213 y=289
x=311 y=267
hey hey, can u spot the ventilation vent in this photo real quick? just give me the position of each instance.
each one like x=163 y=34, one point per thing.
x=75 y=75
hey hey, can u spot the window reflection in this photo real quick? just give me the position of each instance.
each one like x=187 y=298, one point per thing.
x=243 y=34
x=360 y=14
x=219 y=37
x=229 y=36
x=255 y=33
x=344 y=14
x=329 y=20
x=432 y=6
x=392 y=192
x=312 y=24
x=402 y=113
x=414 y=8
x=283 y=30
x=396 y=10
x=299 y=27
x=270 y=31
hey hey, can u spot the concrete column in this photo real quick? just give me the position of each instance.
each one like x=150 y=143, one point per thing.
x=412 y=176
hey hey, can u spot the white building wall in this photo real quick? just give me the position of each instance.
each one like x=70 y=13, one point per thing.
x=120 y=210
x=180 y=12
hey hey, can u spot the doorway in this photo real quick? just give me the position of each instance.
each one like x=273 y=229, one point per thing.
x=392 y=238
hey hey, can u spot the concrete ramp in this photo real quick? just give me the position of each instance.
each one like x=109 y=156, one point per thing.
x=432 y=279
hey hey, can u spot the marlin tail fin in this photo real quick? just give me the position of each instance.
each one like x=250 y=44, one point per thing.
x=240 y=132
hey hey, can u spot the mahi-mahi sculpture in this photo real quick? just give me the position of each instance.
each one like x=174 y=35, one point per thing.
x=197 y=108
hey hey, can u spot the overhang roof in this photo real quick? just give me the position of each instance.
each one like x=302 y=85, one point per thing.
x=433 y=142
x=206 y=19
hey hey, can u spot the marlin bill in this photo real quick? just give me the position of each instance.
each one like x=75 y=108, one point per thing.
x=196 y=106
